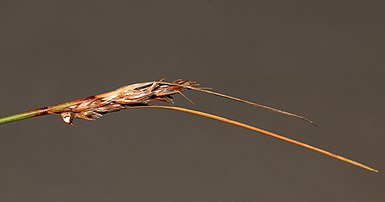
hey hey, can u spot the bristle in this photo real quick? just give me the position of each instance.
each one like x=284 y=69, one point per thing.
x=265 y=132
x=243 y=101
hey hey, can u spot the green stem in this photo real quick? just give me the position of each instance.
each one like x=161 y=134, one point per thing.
x=21 y=116
x=40 y=112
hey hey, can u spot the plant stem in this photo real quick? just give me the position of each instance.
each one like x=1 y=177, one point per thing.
x=20 y=116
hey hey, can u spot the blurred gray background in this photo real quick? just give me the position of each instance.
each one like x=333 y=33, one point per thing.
x=321 y=59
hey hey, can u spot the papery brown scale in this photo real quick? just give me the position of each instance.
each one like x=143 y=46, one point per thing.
x=110 y=108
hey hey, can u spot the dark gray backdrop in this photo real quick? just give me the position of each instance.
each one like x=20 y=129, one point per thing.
x=322 y=59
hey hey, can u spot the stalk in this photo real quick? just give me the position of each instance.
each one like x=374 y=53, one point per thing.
x=23 y=115
x=38 y=112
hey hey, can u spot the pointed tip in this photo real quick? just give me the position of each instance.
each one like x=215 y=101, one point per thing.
x=372 y=169
x=312 y=123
